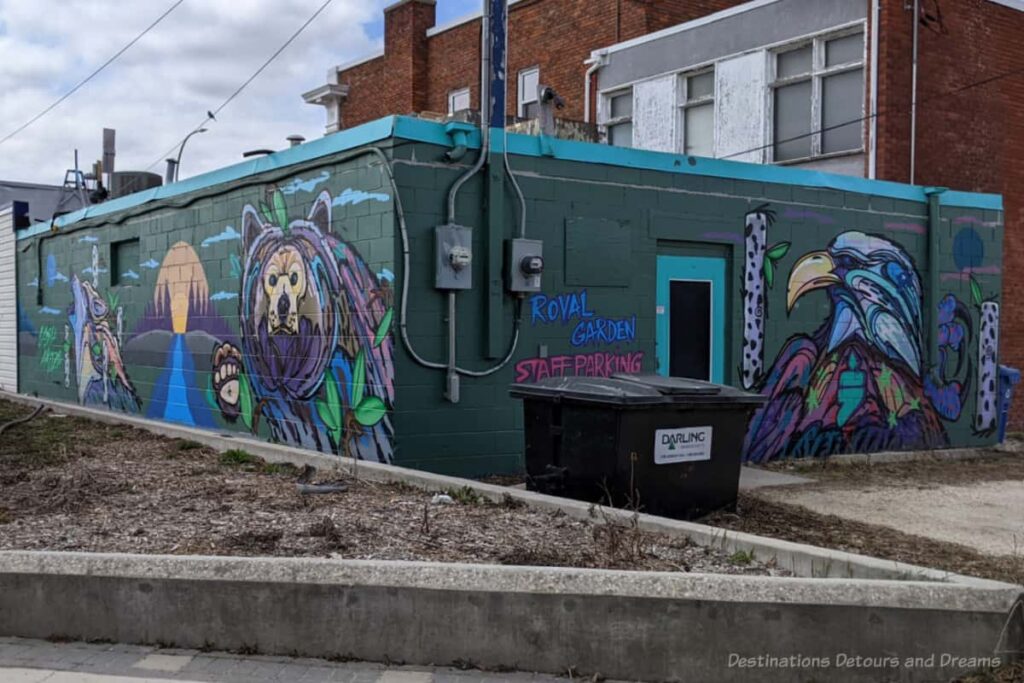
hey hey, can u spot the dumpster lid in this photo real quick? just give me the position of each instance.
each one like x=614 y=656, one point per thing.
x=672 y=386
x=626 y=389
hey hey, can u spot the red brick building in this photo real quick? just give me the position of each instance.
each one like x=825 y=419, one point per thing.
x=423 y=64
x=969 y=129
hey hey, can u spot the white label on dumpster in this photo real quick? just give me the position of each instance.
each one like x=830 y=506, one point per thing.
x=685 y=444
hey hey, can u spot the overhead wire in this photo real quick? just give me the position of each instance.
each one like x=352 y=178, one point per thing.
x=92 y=75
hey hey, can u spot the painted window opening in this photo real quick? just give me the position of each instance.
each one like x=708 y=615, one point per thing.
x=697 y=113
x=529 y=81
x=619 y=125
x=817 y=97
x=458 y=100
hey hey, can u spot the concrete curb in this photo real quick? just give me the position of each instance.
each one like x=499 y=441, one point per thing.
x=801 y=559
x=628 y=625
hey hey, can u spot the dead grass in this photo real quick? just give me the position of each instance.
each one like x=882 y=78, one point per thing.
x=795 y=523
x=73 y=484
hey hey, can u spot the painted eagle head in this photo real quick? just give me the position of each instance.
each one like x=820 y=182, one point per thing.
x=875 y=293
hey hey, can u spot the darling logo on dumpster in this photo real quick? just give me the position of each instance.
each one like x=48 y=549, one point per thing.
x=686 y=444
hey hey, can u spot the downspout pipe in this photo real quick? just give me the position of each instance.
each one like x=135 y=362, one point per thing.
x=934 y=195
x=875 y=37
x=913 y=96
x=596 y=61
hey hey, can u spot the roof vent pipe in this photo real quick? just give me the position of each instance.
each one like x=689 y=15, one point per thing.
x=295 y=140
x=172 y=165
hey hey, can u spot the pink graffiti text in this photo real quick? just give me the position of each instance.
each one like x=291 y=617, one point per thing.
x=600 y=364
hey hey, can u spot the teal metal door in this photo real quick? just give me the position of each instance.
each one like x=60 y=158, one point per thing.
x=691 y=317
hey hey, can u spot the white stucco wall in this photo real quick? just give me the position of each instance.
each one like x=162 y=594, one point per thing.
x=8 y=304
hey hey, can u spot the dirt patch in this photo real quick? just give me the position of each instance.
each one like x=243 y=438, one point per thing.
x=74 y=484
x=795 y=523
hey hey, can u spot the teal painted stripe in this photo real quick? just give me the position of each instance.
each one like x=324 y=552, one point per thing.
x=375 y=131
x=432 y=132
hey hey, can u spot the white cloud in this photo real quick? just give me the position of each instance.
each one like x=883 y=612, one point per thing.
x=167 y=81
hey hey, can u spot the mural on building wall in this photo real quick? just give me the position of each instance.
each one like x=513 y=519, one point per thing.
x=856 y=383
x=585 y=329
x=315 y=363
x=176 y=333
x=758 y=276
x=99 y=369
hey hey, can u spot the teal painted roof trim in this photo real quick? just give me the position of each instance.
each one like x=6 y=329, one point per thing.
x=432 y=132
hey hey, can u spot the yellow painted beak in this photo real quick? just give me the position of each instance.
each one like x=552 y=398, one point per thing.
x=813 y=271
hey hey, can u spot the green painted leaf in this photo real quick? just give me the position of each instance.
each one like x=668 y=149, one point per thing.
x=332 y=404
x=211 y=396
x=330 y=419
x=280 y=210
x=359 y=378
x=267 y=215
x=384 y=328
x=370 y=411
x=777 y=251
x=976 y=292
x=769 y=273
x=245 y=400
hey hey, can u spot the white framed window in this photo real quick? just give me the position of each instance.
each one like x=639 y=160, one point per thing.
x=619 y=124
x=696 y=93
x=817 y=97
x=458 y=100
x=529 y=80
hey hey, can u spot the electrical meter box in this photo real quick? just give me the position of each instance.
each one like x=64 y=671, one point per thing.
x=525 y=265
x=454 y=262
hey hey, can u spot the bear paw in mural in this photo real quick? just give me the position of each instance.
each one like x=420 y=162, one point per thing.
x=316 y=360
x=856 y=384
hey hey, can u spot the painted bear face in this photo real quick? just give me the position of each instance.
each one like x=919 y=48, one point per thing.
x=284 y=283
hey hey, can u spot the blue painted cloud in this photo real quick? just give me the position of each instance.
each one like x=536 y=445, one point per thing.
x=88 y=238
x=386 y=275
x=150 y=264
x=223 y=296
x=130 y=275
x=34 y=283
x=300 y=185
x=228 y=234
x=350 y=196
x=52 y=274
x=49 y=311
x=90 y=271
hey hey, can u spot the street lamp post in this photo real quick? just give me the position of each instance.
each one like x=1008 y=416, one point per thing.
x=177 y=163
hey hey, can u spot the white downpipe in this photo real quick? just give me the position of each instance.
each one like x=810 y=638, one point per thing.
x=596 y=61
x=913 y=97
x=875 y=32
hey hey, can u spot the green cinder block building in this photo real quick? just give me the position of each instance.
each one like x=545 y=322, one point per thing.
x=294 y=297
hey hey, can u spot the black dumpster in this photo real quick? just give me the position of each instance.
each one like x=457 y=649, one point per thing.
x=665 y=445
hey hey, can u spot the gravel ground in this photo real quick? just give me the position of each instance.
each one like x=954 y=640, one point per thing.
x=67 y=483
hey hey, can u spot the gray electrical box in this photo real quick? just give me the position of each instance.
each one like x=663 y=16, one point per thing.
x=525 y=265
x=454 y=262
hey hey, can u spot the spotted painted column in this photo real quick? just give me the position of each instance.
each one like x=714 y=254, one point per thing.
x=753 y=297
x=987 y=411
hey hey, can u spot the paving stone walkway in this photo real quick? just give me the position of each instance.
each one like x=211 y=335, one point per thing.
x=40 y=661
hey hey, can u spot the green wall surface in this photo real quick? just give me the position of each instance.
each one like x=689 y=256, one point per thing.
x=172 y=308
x=262 y=305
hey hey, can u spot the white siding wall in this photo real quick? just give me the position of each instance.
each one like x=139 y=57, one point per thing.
x=740 y=116
x=654 y=114
x=8 y=304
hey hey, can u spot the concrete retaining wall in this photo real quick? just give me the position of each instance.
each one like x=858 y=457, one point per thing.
x=626 y=625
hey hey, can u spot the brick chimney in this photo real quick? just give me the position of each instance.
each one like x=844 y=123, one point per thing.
x=405 y=53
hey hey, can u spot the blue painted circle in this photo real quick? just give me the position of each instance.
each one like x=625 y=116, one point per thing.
x=968 y=249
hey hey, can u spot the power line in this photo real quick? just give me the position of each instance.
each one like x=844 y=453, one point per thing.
x=211 y=115
x=88 y=78
x=877 y=114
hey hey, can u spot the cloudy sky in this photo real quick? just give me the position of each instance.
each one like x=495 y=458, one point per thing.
x=163 y=86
